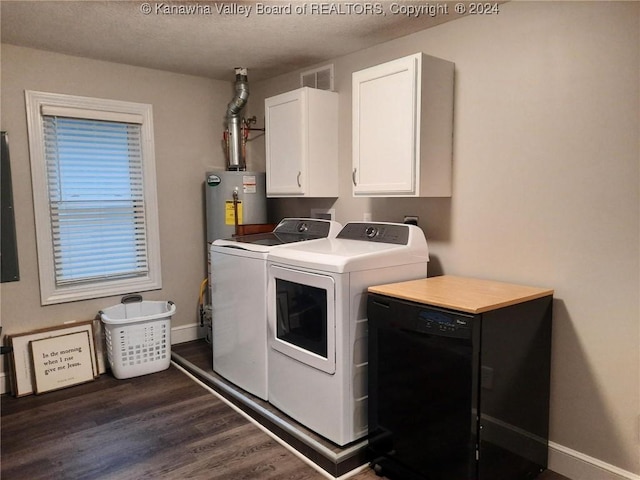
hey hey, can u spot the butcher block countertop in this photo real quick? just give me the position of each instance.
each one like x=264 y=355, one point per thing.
x=470 y=295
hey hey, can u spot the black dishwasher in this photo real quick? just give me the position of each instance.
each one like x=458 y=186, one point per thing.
x=457 y=396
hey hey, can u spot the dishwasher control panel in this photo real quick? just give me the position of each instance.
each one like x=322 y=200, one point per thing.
x=413 y=317
x=442 y=323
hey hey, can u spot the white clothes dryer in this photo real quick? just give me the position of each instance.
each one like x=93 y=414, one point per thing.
x=238 y=286
x=317 y=296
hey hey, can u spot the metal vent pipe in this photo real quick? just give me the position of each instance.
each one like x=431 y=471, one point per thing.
x=235 y=158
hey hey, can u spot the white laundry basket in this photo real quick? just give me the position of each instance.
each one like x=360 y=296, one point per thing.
x=138 y=336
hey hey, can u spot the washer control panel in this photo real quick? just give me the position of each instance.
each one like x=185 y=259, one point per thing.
x=304 y=226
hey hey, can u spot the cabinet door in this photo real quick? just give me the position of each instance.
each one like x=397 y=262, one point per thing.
x=285 y=143
x=385 y=102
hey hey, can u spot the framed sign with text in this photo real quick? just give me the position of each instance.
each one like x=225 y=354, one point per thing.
x=62 y=361
x=21 y=363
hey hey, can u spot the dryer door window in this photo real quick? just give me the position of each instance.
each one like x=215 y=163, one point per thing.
x=302 y=316
x=302 y=305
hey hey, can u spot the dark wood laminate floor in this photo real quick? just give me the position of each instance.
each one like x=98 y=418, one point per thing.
x=197 y=358
x=159 y=426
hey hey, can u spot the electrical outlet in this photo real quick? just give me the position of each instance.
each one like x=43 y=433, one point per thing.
x=411 y=220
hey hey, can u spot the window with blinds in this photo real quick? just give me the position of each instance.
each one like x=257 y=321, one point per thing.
x=94 y=190
x=96 y=201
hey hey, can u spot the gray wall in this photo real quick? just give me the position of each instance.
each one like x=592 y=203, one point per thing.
x=546 y=190
x=546 y=186
x=188 y=121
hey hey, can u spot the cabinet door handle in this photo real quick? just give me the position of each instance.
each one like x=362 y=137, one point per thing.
x=353 y=177
x=298 y=179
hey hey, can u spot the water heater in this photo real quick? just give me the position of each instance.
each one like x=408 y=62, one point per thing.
x=234 y=198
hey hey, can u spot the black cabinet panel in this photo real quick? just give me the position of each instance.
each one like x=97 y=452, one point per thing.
x=454 y=396
x=9 y=271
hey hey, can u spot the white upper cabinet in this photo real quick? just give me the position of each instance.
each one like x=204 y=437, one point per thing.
x=403 y=128
x=302 y=143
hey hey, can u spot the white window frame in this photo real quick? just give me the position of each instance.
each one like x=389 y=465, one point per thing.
x=102 y=109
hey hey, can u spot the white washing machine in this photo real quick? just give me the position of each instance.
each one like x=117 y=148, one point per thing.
x=238 y=286
x=317 y=356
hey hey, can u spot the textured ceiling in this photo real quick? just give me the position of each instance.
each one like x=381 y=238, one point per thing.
x=211 y=38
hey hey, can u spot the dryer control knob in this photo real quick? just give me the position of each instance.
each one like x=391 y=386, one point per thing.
x=371 y=232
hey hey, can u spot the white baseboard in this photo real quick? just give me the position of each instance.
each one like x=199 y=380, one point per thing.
x=186 y=333
x=181 y=334
x=578 y=466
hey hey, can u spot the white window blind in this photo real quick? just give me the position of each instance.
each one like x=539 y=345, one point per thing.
x=96 y=199
x=94 y=195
